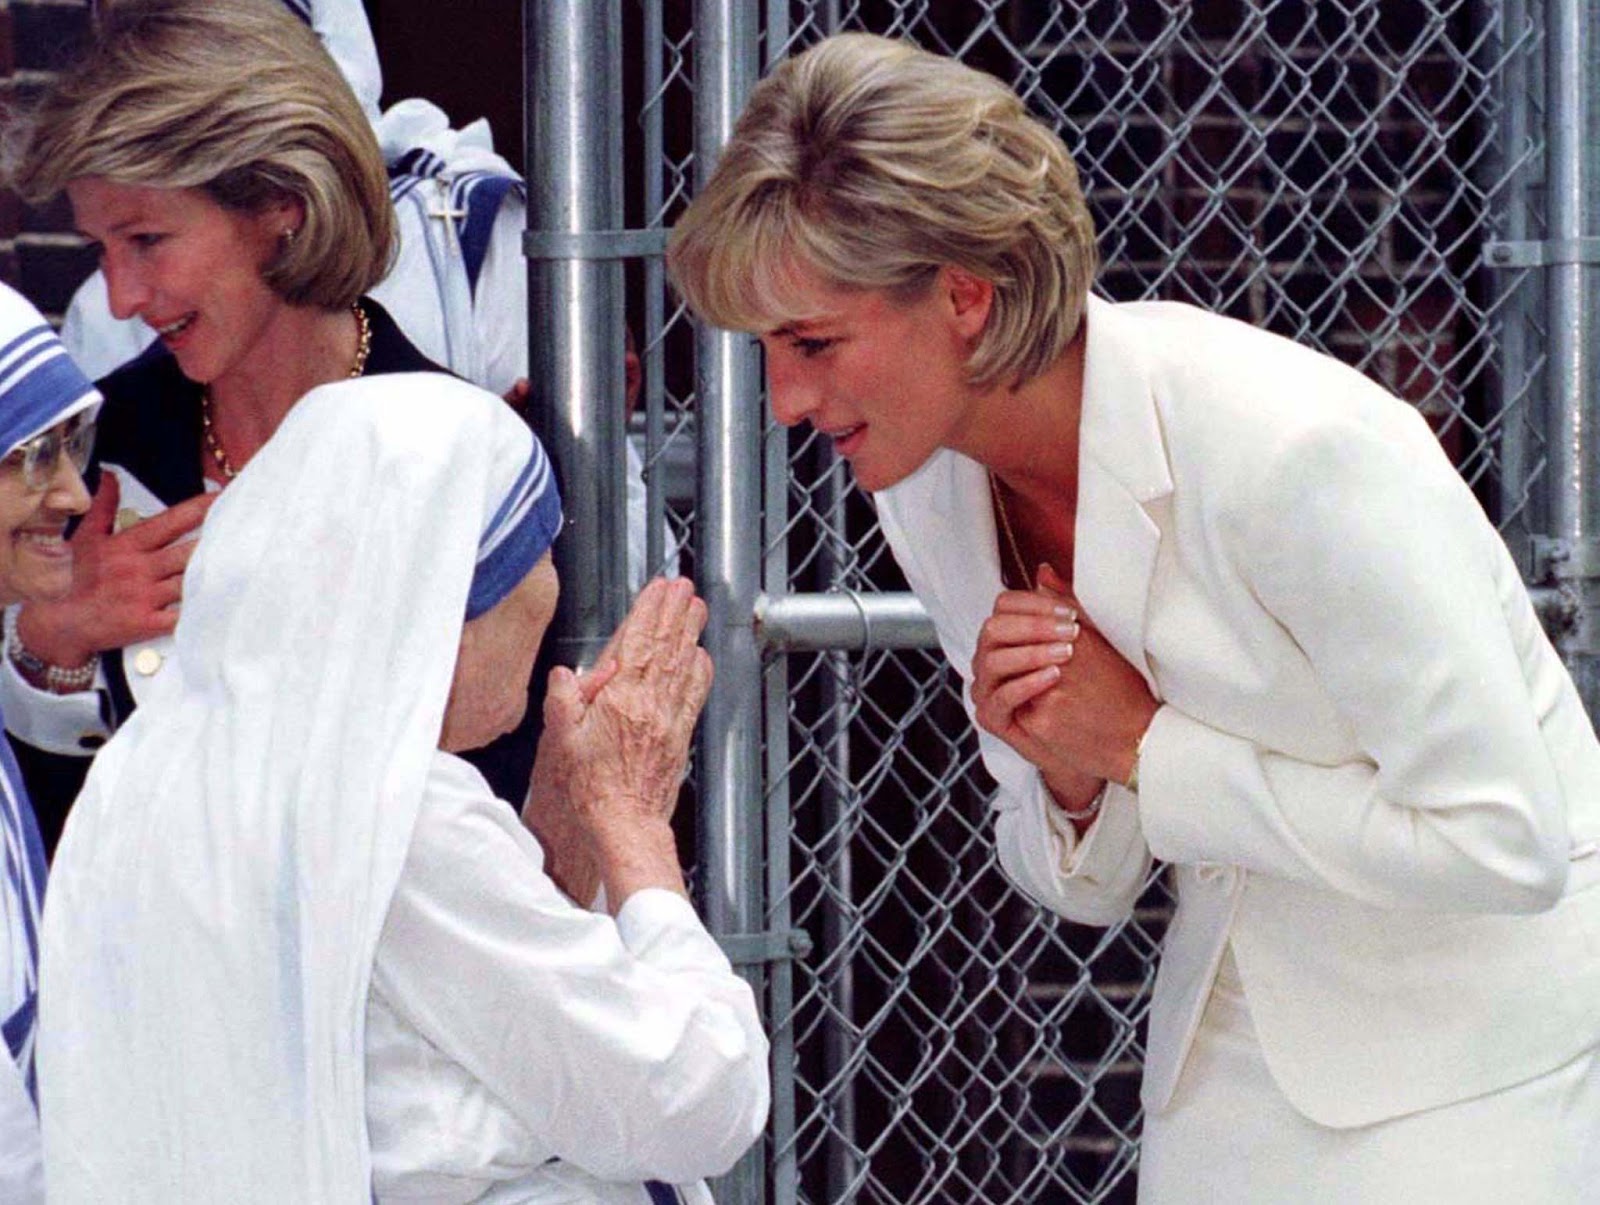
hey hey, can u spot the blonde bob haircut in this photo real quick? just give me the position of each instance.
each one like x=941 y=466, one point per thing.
x=238 y=99
x=870 y=164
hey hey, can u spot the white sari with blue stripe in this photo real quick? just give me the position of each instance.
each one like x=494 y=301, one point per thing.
x=21 y=898
x=24 y=902
x=40 y=387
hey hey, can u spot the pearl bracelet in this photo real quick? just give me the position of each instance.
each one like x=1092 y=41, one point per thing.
x=56 y=678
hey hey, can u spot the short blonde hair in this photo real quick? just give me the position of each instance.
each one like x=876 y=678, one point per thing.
x=872 y=164
x=236 y=98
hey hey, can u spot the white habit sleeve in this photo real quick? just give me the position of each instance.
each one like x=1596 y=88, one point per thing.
x=627 y=1048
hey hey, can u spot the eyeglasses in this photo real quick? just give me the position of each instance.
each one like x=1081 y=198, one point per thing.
x=38 y=459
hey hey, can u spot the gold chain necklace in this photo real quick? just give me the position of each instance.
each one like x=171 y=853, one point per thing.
x=1011 y=536
x=208 y=431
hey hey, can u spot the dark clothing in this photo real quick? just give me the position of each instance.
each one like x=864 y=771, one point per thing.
x=150 y=426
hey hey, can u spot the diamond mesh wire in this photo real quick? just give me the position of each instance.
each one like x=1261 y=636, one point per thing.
x=1327 y=169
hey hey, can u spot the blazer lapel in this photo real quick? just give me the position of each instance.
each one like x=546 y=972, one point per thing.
x=1122 y=468
x=966 y=557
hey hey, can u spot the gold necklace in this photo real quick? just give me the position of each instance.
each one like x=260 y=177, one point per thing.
x=208 y=431
x=1011 y=536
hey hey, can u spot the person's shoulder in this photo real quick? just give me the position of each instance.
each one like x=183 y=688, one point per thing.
x=145 y=378
x=1216 y=372
x=142 y=397
x=460 y=812
x=150 y=425
x=391 y=351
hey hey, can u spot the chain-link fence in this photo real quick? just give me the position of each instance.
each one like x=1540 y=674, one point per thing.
x=1329 y=169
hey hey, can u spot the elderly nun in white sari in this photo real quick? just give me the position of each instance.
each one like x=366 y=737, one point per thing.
x=297 y=953
x=47 y=411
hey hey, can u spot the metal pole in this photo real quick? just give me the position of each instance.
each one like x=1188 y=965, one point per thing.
x=1514 y=208
x=652 y=353
x=575 y=294
x=840 y=918
x=779 y=796
x=844 y=620
x=728 y=403
x=1574 y=444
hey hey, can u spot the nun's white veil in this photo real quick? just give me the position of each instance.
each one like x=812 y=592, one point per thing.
x=223 y=879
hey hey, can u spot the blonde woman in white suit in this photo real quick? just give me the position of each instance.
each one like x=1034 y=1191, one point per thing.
x=1219 y=600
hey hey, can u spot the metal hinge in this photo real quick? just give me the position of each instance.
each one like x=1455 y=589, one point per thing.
x=750 y=949
x=1567 y=573
x=1559 y=560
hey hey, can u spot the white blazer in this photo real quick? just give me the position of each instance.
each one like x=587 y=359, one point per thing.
x=1371 y=770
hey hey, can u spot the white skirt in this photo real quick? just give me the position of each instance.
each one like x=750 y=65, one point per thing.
x=1229 y=1135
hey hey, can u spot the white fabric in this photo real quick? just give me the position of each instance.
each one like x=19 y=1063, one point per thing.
x=226 y=871
x=1534 y=1141
x=21 y=1164
x=1368 y=749
x=341 y=26
x=428 y=290
x=637 y=1052
x=40 y=387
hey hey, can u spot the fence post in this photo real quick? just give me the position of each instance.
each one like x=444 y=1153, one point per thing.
x=1571 y=556
x=575 y=291
x=728 y=405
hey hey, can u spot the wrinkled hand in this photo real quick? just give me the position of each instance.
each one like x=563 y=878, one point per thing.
x=568 y=854
x=1051 y=686
x=616 y=745
x=124 y=584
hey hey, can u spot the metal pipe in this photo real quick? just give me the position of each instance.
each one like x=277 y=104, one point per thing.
x=728 y=403
x=845 y=620
x=652 y=353
x=1514 y=207
x=1570 y=42
x=836 y=801
x=573 y=136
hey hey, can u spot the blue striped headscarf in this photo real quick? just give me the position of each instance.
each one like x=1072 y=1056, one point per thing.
x=39 y=387
x=39 y=383
x=521 y=531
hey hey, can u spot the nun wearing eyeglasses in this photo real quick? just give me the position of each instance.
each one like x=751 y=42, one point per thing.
x=296 y=951
x=47 y=411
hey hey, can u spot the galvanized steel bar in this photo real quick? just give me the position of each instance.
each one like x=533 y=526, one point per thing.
x=727 y=396
x=844 y=620
x=1519 y=513
x=575 y=321
x=651 y=349
x=1573 y=171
